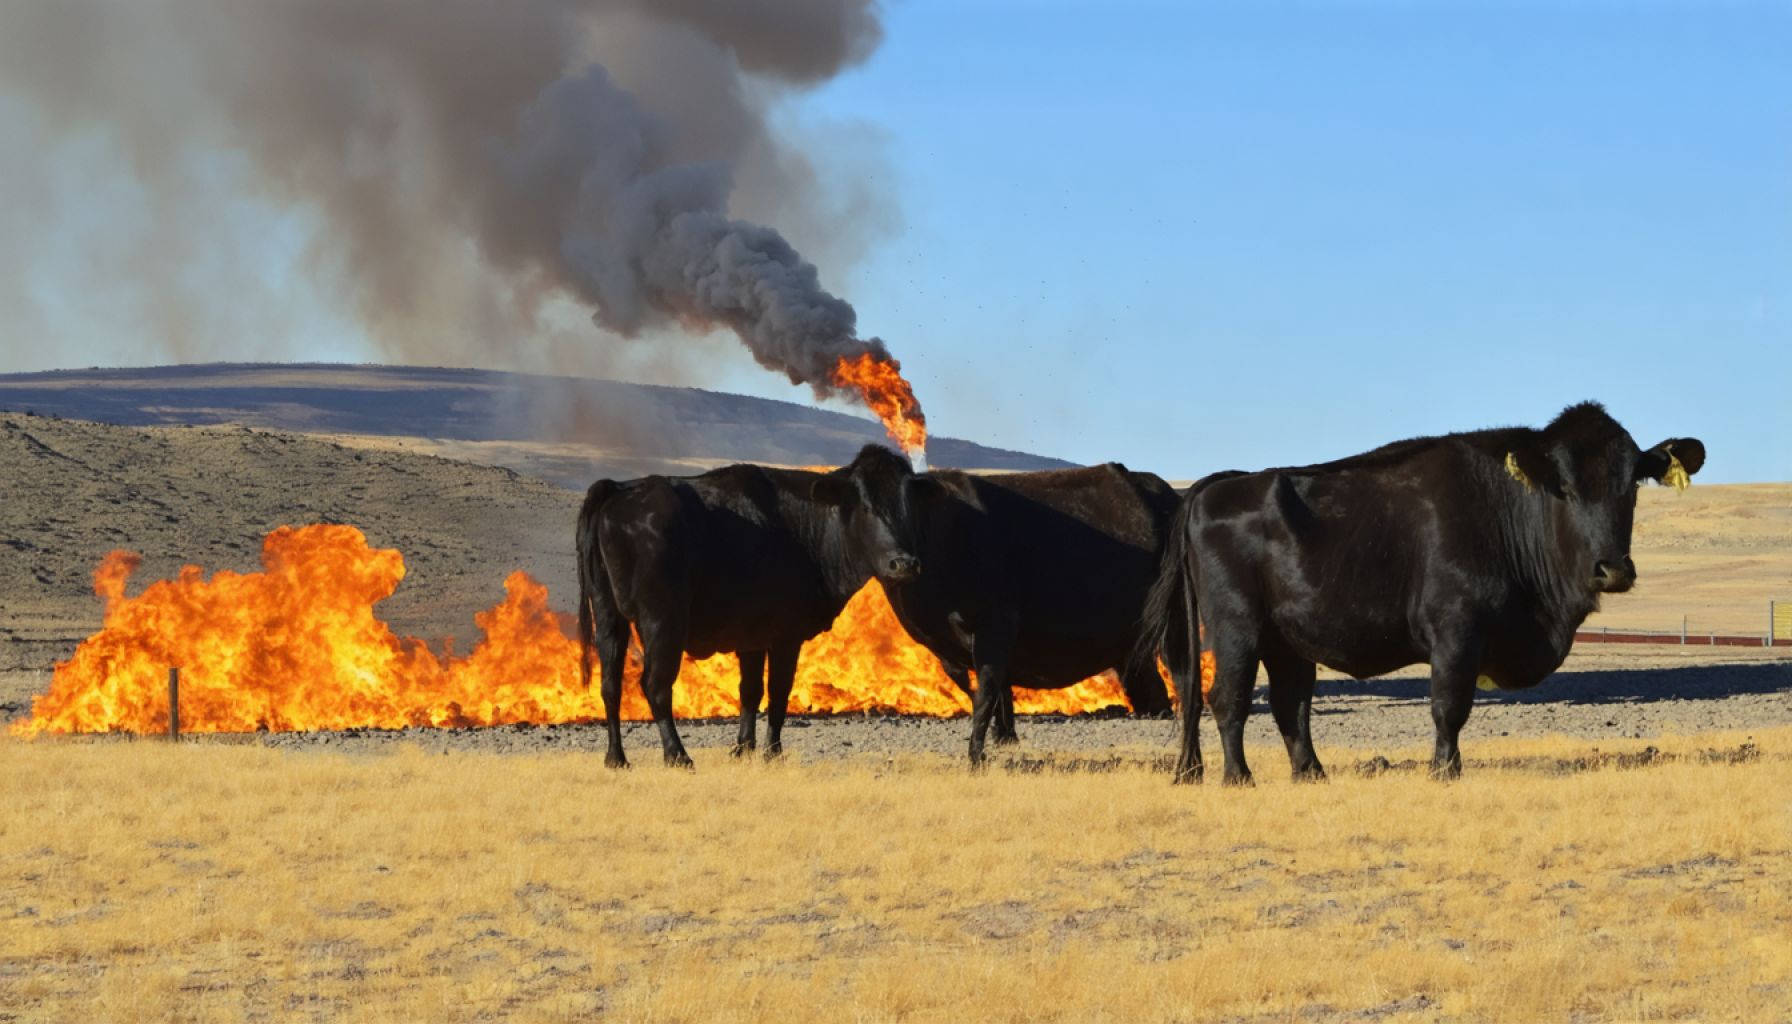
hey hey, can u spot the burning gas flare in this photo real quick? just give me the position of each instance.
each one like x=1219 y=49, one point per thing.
x=297 y=646
x=879 y=382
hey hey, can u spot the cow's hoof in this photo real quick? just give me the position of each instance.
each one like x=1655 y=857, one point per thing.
x=1187 y=777
x=741 y=750
x=775 y=752
x=681 y=760
x=1007 y=741
x=1446 y=772
x=1312 y=774
x=1238 y=779
x=616 y=761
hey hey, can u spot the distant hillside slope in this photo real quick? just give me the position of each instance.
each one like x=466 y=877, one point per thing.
x=564 y=429
x=206 y=495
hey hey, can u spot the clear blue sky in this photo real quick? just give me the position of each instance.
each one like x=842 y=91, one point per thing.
x=1204 y=236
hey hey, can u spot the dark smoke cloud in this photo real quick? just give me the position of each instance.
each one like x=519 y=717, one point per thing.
x=467 y=165
x=641 y=236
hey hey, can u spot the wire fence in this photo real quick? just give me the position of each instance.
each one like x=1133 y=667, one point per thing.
x=1777 y=634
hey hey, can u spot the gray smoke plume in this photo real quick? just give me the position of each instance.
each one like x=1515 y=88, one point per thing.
x=466 y=165
x=641 y=235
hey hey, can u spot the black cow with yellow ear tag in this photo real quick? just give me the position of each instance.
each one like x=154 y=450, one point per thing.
x=1477 y=553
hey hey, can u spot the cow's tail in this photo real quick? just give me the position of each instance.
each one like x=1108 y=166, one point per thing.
x=600 y=621
x=1169 y=627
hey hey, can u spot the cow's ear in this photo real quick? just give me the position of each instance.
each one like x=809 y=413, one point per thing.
x=1530 y=465
x=1672 y=462
x=834 y=488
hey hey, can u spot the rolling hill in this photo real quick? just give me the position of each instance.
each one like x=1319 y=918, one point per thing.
x=566 y=430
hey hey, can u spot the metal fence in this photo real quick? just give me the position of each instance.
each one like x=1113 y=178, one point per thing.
x=1778 y=633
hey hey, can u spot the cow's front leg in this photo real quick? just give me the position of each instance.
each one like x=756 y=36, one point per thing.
x=781 y=677
x=1004 y=717
x=1291 y=701
x=1452 y=696
x=752 y=691
x=1005 y=734
x=1145 y=690
x=994 y=646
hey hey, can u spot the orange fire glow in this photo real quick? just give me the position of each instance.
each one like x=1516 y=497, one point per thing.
x=879 y=382
x=297 y=646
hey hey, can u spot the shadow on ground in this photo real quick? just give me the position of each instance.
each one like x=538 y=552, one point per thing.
x=1627 y=686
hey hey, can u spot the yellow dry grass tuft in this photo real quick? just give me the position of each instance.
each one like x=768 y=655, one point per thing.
x=218 y=882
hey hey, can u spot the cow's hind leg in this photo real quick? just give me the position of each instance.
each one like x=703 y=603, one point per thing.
x=612 y=653
x=1189 y=695
x=1234 y=679
x=782 y=678
x=752 y=691
x=1291 y=701
x=663 y=650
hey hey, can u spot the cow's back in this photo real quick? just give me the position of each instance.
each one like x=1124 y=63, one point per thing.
x=1352 y=561
x=720 y=547
x=1071 y=553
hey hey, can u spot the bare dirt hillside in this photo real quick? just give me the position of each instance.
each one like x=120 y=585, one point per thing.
x=568 y=430
x=206 y=495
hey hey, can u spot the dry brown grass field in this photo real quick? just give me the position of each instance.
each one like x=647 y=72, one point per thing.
x=1713 y=553
x=217 y=882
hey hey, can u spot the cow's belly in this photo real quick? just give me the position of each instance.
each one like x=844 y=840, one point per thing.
x=756 y=622
x=1516 y=654
x=1520 y=659
x=1043 y=658
x=1051 y=661
x=1359 y=645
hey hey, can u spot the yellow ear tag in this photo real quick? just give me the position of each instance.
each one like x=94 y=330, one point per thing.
x=1486 y=683
x=1676 y=476
x=1517 y=474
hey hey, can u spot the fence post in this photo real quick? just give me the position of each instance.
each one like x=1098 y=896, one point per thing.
x=174 y=704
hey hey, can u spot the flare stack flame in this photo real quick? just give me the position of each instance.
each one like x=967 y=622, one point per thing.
x=297 y=646
x=880 y=385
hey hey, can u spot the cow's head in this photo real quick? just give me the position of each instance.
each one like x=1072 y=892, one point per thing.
x=872 y=497
x=1589 y=469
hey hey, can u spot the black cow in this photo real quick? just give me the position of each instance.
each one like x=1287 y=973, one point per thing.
x=744 y=559
x=1478 y=553
x=1035 y=580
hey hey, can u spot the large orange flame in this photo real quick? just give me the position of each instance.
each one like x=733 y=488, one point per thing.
x=297 y=647
x=879 y=382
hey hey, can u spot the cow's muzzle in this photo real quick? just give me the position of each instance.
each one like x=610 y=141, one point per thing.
x=1614 y=577
x=901 y=569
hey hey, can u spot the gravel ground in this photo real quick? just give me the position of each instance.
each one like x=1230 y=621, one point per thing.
x=1600 y=694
